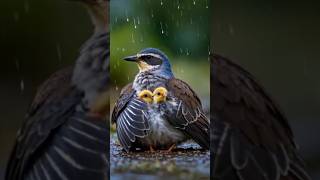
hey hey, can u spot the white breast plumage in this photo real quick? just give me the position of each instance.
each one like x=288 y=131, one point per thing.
x=161 y=132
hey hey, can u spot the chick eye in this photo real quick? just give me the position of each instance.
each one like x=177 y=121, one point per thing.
x=145 y=95
x=158 y=94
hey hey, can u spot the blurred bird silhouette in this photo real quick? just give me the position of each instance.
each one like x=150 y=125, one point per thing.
x=174 y=115
x=250 y=137
x=65 y=134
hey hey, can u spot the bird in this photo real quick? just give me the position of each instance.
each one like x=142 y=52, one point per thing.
x=174 y=115
x=146 y=96
x=250 y=136
x=65 y=134
x=160 y=95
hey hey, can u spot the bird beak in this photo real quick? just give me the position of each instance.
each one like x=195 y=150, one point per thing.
x=131 y=58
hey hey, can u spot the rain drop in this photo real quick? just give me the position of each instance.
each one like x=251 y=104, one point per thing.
x=18 y=65
x=138 y=21
x=162 y=31
x=231 y=29
x=132 y=38
x=134 y=22
x=59 y=52
x=22 y=85
x=187 y=50
x=16 y=16
x=127 y=16
x=26 y=6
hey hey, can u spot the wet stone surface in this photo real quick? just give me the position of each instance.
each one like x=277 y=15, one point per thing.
x=187 y=161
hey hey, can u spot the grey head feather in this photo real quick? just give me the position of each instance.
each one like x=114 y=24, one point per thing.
x=91 y=73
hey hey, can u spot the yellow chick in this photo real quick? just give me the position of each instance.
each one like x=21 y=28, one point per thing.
x=160 y=95
x=146 y=96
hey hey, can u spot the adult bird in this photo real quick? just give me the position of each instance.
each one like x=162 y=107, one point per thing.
x=173 y=117
x=65 y=134
x=250 y=137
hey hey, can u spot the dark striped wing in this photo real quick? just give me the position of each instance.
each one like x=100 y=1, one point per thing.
x=251 y=138
x=130 y=115
x=76 y=150
x=188 y=116
x=54 y=140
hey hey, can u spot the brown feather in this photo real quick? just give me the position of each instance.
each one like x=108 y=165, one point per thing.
x=190 y=117
x=242 y=106
x=125 y=95
x=54 y=88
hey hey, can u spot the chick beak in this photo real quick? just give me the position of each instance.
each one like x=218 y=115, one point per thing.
x=131 y=58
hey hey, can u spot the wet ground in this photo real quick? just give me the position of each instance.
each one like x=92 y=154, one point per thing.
x=187 y=161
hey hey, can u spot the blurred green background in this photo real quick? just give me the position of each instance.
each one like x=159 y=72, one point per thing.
x=36 y=39
x=278 y=41
x=179 y=28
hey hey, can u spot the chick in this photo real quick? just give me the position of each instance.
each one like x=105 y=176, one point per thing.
x=160 y=95
x=146 y=96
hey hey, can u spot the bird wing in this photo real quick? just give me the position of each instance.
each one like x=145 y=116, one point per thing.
x=250 y=137
x=53 y=137
x=130 y=115
x=188 y=115
x=47 y=91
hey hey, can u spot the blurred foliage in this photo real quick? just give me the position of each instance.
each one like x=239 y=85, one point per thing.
x=178 y=28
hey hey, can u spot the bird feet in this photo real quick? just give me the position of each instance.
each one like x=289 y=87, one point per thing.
x=173 y=146
x=151 y=149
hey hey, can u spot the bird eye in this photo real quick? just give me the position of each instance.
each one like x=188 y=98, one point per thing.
x=148 y=57
x=145 y=95
x=158 y=94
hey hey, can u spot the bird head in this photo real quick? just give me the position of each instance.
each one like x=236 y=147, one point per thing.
x=152 y=60
x=146 y=96
x=99 y=12
x=160 y=95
